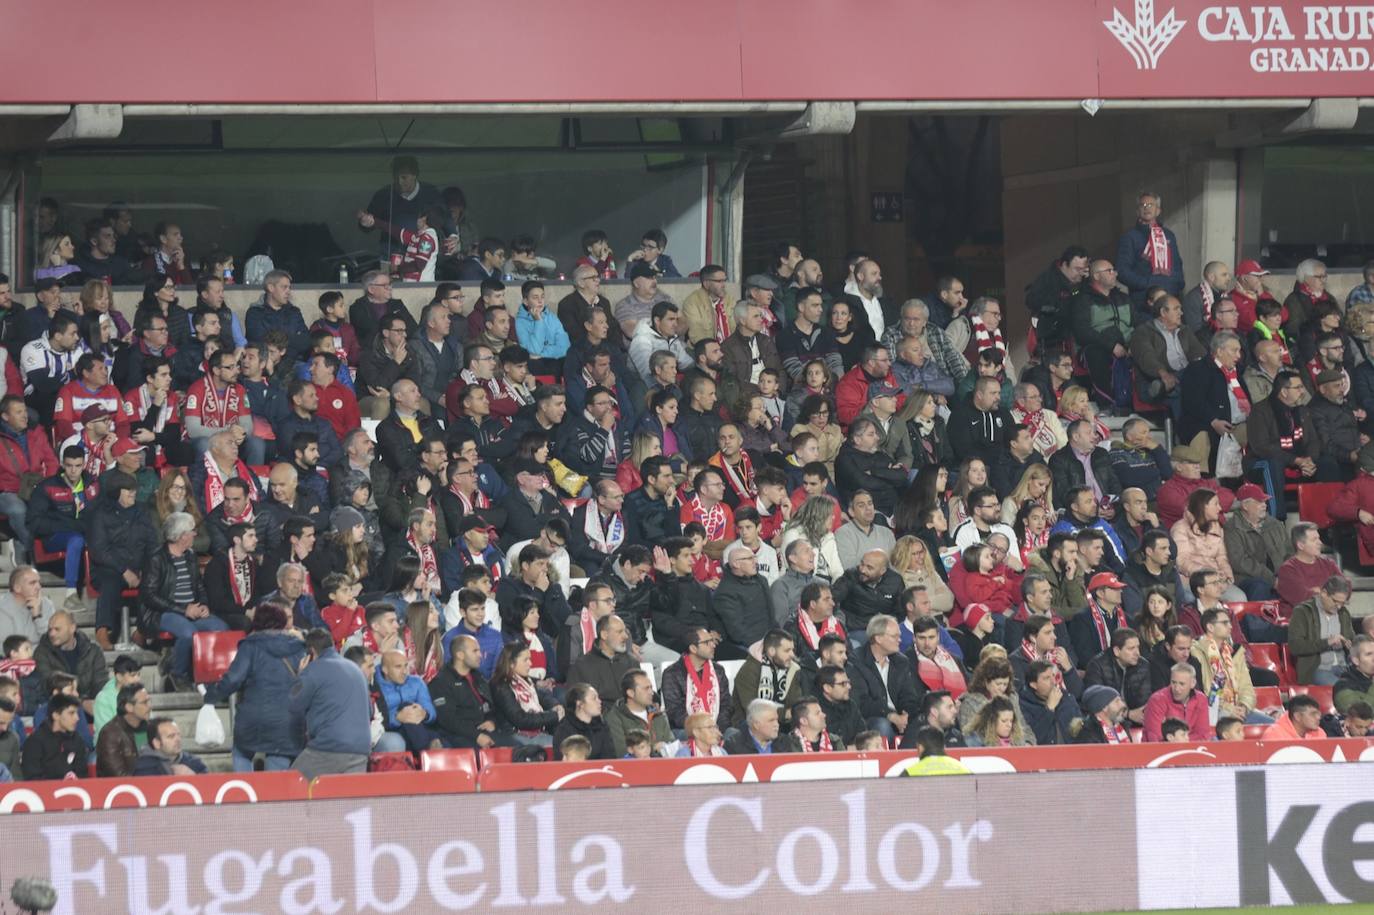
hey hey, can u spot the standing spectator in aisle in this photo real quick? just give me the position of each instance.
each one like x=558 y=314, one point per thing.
x=1102 y=325
x=1217 y=402
x=640 y=302
x=1257 y=544
x=1321 y=633
x=398 y=205
x=67 y=651
x=330 y=702
x=49 y=362
x=1148 y=253
x=54 y=751
x=26 y=454
x=709 y=312
x=122 y=537
x=274 y=311
x=171 y=589
x=540 y=332
x=1052 y=299
x=59 y=515
x=652 y=253
x=369 y=310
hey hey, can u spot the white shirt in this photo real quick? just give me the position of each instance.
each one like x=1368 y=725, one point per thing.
x=872 y=308
x=559 y=562
x=883 y=667
x=765 y=558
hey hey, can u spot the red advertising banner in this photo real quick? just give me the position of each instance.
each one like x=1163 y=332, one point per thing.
x=169 y=791
x=370 y=51
x=806 y=767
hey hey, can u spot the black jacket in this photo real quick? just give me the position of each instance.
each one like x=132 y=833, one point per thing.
x=397 y=447
x=634 y=605
x=50 y=755
x=1067 y=472
x=221 y=592
x=553 y=605
x=868 y=692
x=673 y=690
x=978 y=433
x=855 y=470
x=1160 y=664
x=493 y=443
x=744 y=608
x=1050 y=726
x=595 y=730
x=366 y=324
x=602 y=672
x=522 y=522
x=376 y=368
x=1053 y=299
x=159 y=581
x=91 y=672
x=650 y=521
x=1087 y=644
x=460 y=707
x=52 y=508
x=1006 y=471
x=861 y=602
x=699 y=430
x=120 y=539
x=583 y=444
x=511 y=717
x=1207 y=400
x=842 y=719
x=681 y=605
x=1334 y=430
x=1133 y=683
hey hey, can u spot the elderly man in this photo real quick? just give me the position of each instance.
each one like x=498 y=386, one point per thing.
x=1160 y=350
x=640 y=302
x=292 y=579
x=1256 y=543
x=1029 y=411
x=1139 y=460
x=980 y=330
x=1218 y=403
x=1309 y=294
x=575 y=308
x=915 y=322
x=1082 y=463
x=1335 y=424
x=758 y=731
x=749 y=350
x=400 y=433
x=1102 y=324
x=742 y=600
x=1321 y=632
x=1199 y=301
x=1261 y=376
x=171 y=588
x=1148 y=253
x=287 y=500
x=883 y=679
x=1182 y=700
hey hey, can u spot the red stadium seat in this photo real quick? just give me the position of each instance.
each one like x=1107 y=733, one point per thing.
x=212 y=653
x=458 y=760
x=402 y=761
x=1366 y=558
x=1255 y=731
x=1313 y=499
x=44 y=556
x=1325 y=695
x=493 y=755
x=1267 y=697
x=1269 y=656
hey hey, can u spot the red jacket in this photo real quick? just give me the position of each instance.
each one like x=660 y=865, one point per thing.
x=1355 y=496
x=1193 y=714
x=339 y=408
x=41 y=459
x=1284 y=729
x=1173 y=498
x=977 y=588
x=74 y=397
x=851 y=396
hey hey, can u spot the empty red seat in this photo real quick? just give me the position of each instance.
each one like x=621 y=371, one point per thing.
x=454 y=760
x=212 y=653
x=1313 y=499
x=1325 y=695
x=1269 y=656
x=1268 y=697
x=493 y=755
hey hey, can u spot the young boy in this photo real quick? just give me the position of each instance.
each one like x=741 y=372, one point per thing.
x=19 y=664
x=127 y=670
x=477 y=577
x=9 y=691
x=772 y=504
x=705 y=569
x=472 y=607
x=1174 y=731
x=334 y=318
x=748 y=526
x=637 y=745
x=421 y=245
x=344 y=616
x=869 y=741
x=65 y=684
x=1228 y=728
x=575 y=748
x=773 y=405
x=596 y=248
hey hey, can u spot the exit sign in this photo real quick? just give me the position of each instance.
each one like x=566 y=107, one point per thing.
x=887 y=206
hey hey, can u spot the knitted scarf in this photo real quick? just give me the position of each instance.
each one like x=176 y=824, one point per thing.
x=823 y=744
x=1233 y=384
x=739 y=477
x=811 y=634
x=703 y=690
x=983 y=338
x=1157 y=252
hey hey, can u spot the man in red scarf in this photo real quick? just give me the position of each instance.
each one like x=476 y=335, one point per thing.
x=1308 y=295
x=1147 y=254
x=707 y=507
x=1218 y=402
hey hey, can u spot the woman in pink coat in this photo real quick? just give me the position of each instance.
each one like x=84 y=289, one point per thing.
x=1198 y=539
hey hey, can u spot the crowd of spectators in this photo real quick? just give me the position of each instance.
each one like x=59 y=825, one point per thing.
x=823 y=520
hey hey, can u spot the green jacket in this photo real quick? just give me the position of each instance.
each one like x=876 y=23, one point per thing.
x=1305 y=642
x=747 y=690
x=620 y=720
x=1353 y=687
x=1256 y=553
x=1069 y=594
x=1102 y=320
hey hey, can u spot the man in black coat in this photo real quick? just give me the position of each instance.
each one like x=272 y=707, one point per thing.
x=862 y=465
x=531 y=579
x=1010 y=464
x=1052 y=298
x=741 y=601
x=867 y=590
x=893 y=707
x=978 y=427
x=529 y=504
x=842 y=715
x=608 y=661
x=1123 y=669
x=698 y=423
x=121 y=537
x=405 y=426
x=1177 y=648
x=652 y=512
x=681 y=605
x=1212 y=404
x=1066 y=464
x=1048 y=708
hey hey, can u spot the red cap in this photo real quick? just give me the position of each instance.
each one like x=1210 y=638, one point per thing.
x=124 y=446
x=973 y=615
x=1252 y=491
x=95 y=411
x=1105 y=580
x=1250 y=268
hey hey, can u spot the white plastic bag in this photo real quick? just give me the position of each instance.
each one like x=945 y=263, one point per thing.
x=209 y=729
x=1229 y=458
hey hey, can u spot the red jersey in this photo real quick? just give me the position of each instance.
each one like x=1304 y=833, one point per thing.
x=74 y=397
x=339 y=408
x=216 y=410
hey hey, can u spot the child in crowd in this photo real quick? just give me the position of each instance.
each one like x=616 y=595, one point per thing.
x=869 y=741
x=704 y=568
x=769 y=385
x=334 y=318
x=575 y=748
x=637 y=745
x=1227 y=728
x=18 y=663
x=1174 y=731
x=344 y=616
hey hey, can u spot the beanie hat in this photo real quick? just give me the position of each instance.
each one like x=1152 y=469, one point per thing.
x=973 y=615
x=345 y=518
x=1096 y=698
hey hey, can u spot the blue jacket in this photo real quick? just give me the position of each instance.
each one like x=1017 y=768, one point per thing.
x=263 y=671
x=1146 y=470
x=261 y=319
x=331 y=703
x=331 y=452
x=545 y=338
x=397 y=696
x=1133 y=268
x=488 y=639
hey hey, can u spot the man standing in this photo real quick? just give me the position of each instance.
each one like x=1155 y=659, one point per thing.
x=1052 y=299
x=1148 y=253
x=1102 y=325
x=867 y=286
x=329 y=701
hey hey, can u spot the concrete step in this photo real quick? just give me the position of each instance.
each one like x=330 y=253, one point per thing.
x=184 y=711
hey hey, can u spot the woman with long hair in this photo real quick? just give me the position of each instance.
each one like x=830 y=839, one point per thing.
x=174 y=495
x=96 y=297
x=992 y=679
x=926 y=429
x=409 y=584
x=644 y=445
x=812 y=522
x=55 y=255
x=816 y=416
x=1199 y=543
x=344 y=548
x=98 y=333
x=911 y=559
x=521 y=708
x=1075 y=404
x=1032 y=526
x=160 y=298
x=973 y=473
x=1156 y=617
x=926 y=491
x=761 y=434
x=424 y=651
x=816 y=381
x=849 y=324
x=661 y=420
x=584 y=719
x=998 y=724
x=1036 y=485
x=520 y=623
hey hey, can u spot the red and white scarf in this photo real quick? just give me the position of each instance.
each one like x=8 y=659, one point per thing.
x=694 y=750
x=605 y=538
x=811 y=634
x=95 y=455
x=823 y=744
x=722 y=319
x=1114 y=733
x=528 y=699
x=588 y=627
x=739 y=477
x=941 y=672
x=1209 y=296
x=984 y=338
x=1028 y=649
x=217 y=410
x=1099 y=618
x=478 y=500
x=214 y=482
x=1032 y=543
x=1157 y=252
x=1233 y=385
x=429 y=563
x=1315 y=367
x=242 y=575
x=703 y=690
x=1042 y=435
x=713 y=518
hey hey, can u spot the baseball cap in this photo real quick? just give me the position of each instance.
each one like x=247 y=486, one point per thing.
x=124 y=446
x=1252 y=491
x=881 y=389
x=1250 y=268
x=95 y=411
x=1105 y=580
